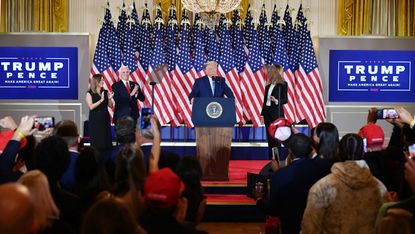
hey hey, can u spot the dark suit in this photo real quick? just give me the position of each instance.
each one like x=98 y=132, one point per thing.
x=126 y=105
x=289 y=190
x=273 y=112
x=202 y=88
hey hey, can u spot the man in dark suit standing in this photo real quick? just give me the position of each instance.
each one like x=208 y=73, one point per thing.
x=275 y=96
x=210 y=85
x=126 y=93
x=289 y=185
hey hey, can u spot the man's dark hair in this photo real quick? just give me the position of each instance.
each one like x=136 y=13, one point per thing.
x=300 y=145
x=52 y=157
x=125 y=130
x=68 y=131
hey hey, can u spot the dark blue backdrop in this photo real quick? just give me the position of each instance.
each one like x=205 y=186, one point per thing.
x=39 y=73
x=371 y=76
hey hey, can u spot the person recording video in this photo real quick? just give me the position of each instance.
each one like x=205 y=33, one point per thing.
x=275 y=96
x=210 y=85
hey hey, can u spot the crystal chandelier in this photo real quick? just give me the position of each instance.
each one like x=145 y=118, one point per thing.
x=210 y=6
x=210 y=10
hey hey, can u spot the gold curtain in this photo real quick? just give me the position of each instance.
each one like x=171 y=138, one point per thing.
x=165 y=4
x=376 y=17
x=50 y=15
x=33 y=15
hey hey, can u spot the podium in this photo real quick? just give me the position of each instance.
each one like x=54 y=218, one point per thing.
x=214 y=119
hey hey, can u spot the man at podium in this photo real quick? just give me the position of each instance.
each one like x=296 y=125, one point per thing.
x=210 y=85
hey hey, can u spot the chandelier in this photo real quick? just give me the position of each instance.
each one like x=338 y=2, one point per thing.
x=210 y=10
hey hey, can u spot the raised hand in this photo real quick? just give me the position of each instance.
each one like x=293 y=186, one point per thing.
x=8 y=122
x=110 y=95
x=135 y=90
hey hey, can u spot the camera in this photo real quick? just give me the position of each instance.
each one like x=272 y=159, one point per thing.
x=145 y=122
x=387 y=114
x=44 y=122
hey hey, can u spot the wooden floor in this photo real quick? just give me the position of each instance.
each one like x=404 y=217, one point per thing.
x=226 y=228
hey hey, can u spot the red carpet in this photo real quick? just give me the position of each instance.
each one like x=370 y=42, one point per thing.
x=237 y=177
x=238 y=170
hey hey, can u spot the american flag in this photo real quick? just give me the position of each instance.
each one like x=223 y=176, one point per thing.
x=280 y=58
x=111 y=49
x=265 y=41
x=253 y=81
x=294 y=59
x=288 y=30
x=199 y=58
x=122 y=27
x=112 y=46
x=184 y=74
x=135 y=27
x=261 y=26
x=309 y=86
x=212 y=46
x=228 y=70
x=274 y=21
x=248 y=28
x=240 y=57
x=144 y=57
x=222 y=23
x=171 y=48
x=101 y=63
x=158 y=72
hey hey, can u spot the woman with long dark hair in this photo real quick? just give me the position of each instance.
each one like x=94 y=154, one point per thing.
x=98 y=100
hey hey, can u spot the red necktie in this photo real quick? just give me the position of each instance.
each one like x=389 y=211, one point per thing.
x=127 y=85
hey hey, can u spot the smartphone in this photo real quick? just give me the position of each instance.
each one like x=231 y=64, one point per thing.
x=387 y=114
x=364 y=145
x=276 y=156
x=44 y=122
x=411 y=149
x=146 y=114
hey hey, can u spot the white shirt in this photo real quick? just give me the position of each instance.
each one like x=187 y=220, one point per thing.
x=271 y=87
x=211 y=85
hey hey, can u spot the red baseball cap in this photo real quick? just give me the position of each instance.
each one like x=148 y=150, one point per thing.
x=5 y=138
x=280 y=129
x=163 y=188
x=373 y=134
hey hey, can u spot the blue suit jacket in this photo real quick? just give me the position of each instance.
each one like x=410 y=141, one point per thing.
x=289 y=191
x=202 y=88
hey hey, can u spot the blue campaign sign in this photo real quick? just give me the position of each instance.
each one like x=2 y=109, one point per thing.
x=38 y=73
x=371 y=76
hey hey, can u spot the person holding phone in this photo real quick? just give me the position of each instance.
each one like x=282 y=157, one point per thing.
x=126 y=93
x=98 y=100
x=275 y=96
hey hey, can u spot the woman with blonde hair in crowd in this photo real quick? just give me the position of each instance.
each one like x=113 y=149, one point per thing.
x=47 y=213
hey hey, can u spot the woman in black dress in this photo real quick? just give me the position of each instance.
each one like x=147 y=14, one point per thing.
x=275 y=96
x=98 y=100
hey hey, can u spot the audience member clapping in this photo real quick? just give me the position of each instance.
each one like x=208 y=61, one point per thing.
x=348 y=199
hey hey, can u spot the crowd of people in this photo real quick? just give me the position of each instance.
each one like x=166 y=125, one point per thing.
x=57 y=185
x=329 y=185
x=351 y=185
